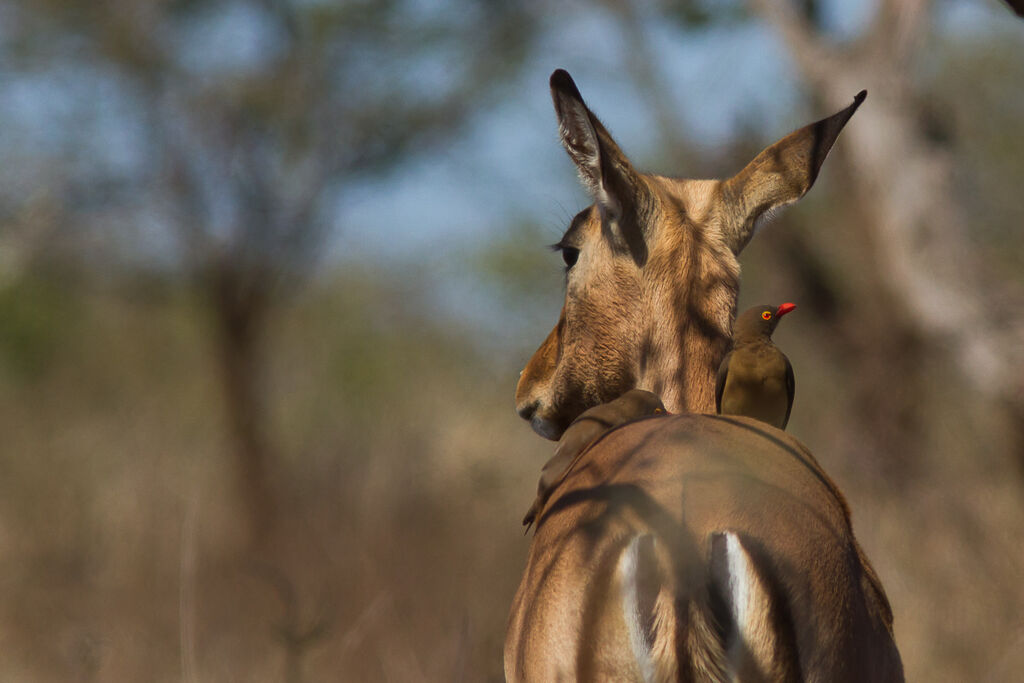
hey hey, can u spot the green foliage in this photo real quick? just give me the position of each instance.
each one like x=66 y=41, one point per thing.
x=37 y=316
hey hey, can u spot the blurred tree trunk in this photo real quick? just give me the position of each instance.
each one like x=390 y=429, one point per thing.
x=934 y=295
x=239 y=318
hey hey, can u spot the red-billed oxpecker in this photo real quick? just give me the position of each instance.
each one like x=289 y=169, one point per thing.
x=755 y=379
x=584 y=431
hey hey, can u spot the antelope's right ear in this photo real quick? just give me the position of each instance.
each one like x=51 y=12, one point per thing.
x=781 y=174
x=604 y=169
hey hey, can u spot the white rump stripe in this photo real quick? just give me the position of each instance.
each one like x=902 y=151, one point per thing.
x=749 y=602
x=628 y=576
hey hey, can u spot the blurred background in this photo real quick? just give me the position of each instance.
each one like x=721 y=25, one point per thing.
x=269 y=270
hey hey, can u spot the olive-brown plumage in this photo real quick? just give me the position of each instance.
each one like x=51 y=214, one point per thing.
x=585 y=430
x=755 y=378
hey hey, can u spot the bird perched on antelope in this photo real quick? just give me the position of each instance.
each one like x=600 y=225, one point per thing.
x=583 y=431
x=755 y=378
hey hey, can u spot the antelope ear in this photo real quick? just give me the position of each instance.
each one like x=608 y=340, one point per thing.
x=605 y=171
x=780 y=175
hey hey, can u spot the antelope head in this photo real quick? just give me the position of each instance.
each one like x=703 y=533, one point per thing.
x=651 y=269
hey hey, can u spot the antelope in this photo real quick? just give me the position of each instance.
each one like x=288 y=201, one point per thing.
x=694 y=546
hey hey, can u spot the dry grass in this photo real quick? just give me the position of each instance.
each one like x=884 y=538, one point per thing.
x=395 y=555
x=402 y=473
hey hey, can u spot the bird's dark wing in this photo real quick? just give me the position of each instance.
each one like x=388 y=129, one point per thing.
x=790 y=390
x=723 y=372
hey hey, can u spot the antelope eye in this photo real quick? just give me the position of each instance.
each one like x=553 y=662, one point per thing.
x=570 y=256
x=767 y=315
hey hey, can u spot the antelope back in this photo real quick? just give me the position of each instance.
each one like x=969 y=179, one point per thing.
x=652 y=274
x=699 y=548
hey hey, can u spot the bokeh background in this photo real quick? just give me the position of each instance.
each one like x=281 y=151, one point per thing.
x=269 y=269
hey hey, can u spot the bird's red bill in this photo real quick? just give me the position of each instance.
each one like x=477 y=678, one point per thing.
x=784 y=309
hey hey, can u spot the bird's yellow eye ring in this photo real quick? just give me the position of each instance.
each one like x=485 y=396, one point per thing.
x=767 y=315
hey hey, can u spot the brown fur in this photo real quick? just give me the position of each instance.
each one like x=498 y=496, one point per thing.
x=667 y=529
x=819 y=611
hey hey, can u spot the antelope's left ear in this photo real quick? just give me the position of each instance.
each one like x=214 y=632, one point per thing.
x=606 y=172
x=780 y=175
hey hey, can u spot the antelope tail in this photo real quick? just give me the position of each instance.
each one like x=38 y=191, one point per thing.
x=735 y=631
x=664 y=635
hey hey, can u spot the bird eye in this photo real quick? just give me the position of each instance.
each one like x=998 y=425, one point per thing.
x=570 y=255
x=767 y=315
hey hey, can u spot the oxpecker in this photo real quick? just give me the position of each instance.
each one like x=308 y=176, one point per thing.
x=755 y=378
